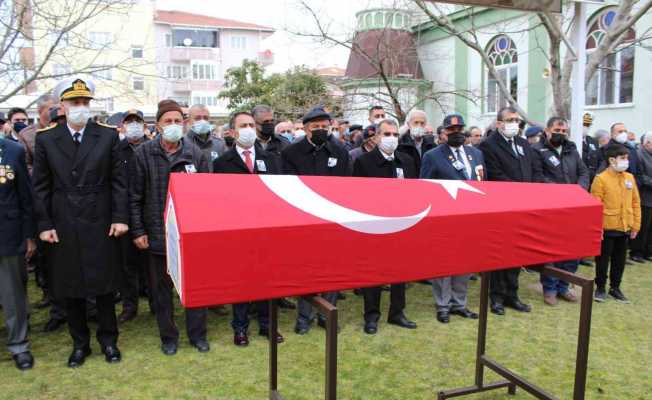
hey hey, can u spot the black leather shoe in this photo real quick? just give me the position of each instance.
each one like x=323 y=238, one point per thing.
x=112 y=354
x=265 y=333
x=464 y=313
x=286 y=304
x=357 y=292
x=53 y=325
x=23 y=360
x=78 y=356
x=518 y=305
x=402 y=322
x=301 y=330
x=169 y=348
x=126 y=316
x=202 y=346
x=240 y=339
x=637 y=259
x=498 y=309
x=370 y=327
x=442 y=316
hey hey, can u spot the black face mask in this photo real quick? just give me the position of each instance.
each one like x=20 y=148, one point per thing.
x=267 y=130
x=319 y=136
x=229 y=140
x=557 y=139
x=19 y=126
x=456 y=139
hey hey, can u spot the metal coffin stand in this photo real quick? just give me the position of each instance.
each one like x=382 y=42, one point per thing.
x=330 y=312
x=513 y=380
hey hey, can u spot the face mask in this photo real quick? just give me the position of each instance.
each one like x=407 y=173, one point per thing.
x=511 y=129
x=246 y=137
x=378 y=120
x=417 y=132
x=134 y=131
x=388 y=144
x=585 y=130
x=621 y=137
x=288 y=136
x=229 y=140
x=78 y=115
x=319 y=136
x=335 y=133
x=267 y=130
x=632 y=143
x=201 y=127
x=172 y=133
x=456 y=139
x=557 y=139
x=19 y=126
x=299 y=133
x=621 y=165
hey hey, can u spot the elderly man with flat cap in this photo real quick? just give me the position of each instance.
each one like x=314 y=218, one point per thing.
x=315 y=155
x=80 y=197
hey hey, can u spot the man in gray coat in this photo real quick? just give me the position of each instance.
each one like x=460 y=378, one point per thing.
x=200 y=134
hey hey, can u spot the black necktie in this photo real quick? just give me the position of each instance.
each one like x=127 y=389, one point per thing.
x=77 y=138
x=511 y=146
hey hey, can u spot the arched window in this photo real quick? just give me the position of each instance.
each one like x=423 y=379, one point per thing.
x=503 y=55
x=378 y=20
x=368 y=21
x=613 y=82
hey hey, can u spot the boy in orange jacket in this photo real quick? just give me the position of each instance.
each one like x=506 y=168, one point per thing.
x=617 y=191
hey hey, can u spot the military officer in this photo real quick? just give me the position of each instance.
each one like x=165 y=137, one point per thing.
x=314 y=154
x=80 y=196
x=385 y=162
x=455 y=161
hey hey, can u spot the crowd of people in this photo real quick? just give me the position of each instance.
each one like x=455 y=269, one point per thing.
x=83 y=205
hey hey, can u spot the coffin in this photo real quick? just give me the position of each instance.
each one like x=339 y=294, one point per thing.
x=237 y=238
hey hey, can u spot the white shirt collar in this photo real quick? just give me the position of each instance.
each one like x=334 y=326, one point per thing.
x=454 y=150
x=72 y=131
x=390 y=157
x=241 y=151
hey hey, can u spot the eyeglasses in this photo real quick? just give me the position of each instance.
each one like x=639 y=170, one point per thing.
x=395 y=134
x=512 y=121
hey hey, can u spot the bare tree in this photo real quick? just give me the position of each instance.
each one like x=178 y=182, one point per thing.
x=628 y=12
x=35 y=35
x=384 y=57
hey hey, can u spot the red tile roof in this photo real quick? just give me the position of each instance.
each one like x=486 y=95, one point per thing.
x=188 y=19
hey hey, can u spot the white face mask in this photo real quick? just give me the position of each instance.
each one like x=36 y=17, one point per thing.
x=78 y=115
x=134 y=131
x=585 y=130
x=299 y=133
x=172 y=133
x=621 y=165
x=621 y=137
x=388 y=144
x=246 y=137
x=417 y=131
x=201 y=127
x=511 y=129
x=378 y=120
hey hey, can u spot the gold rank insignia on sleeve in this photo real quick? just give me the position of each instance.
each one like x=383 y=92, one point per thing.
x=47 y=128
x=107 y=125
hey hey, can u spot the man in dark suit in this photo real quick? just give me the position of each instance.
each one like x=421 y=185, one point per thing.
x=247 y=157
x=385 y=162
x=265 y=124
x=509 y=158
x=16 y=243
x=455 y=161
x=80 y=189
x=315 y=155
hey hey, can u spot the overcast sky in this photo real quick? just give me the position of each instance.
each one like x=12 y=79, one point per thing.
x=286 y=16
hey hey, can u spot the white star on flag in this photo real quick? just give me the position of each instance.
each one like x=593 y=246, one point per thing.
x=452 y=186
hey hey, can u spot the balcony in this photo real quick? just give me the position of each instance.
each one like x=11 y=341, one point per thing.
x=194 y=53
x=195 y=86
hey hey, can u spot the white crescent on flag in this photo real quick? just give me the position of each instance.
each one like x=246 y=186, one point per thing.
x=291 y=189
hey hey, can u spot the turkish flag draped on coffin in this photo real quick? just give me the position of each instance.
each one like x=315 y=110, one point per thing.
x=237 y=238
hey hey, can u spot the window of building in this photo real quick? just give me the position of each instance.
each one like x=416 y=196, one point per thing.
x=204 y=71
x=238 y=42
x=138 y=83
x=205 y=100
x=101 y=72
x=502 y=53
x=613 y=82
x=195 y=38
x=98 y=40
x=136 y=52
x=177 y=71
x=183 y=101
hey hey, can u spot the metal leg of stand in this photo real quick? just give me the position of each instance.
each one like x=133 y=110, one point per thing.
x=512 y=379
x=330 y=312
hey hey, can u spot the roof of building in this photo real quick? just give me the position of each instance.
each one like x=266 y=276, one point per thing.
x=395 y=50
x=330 y=71
x=189 y=19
